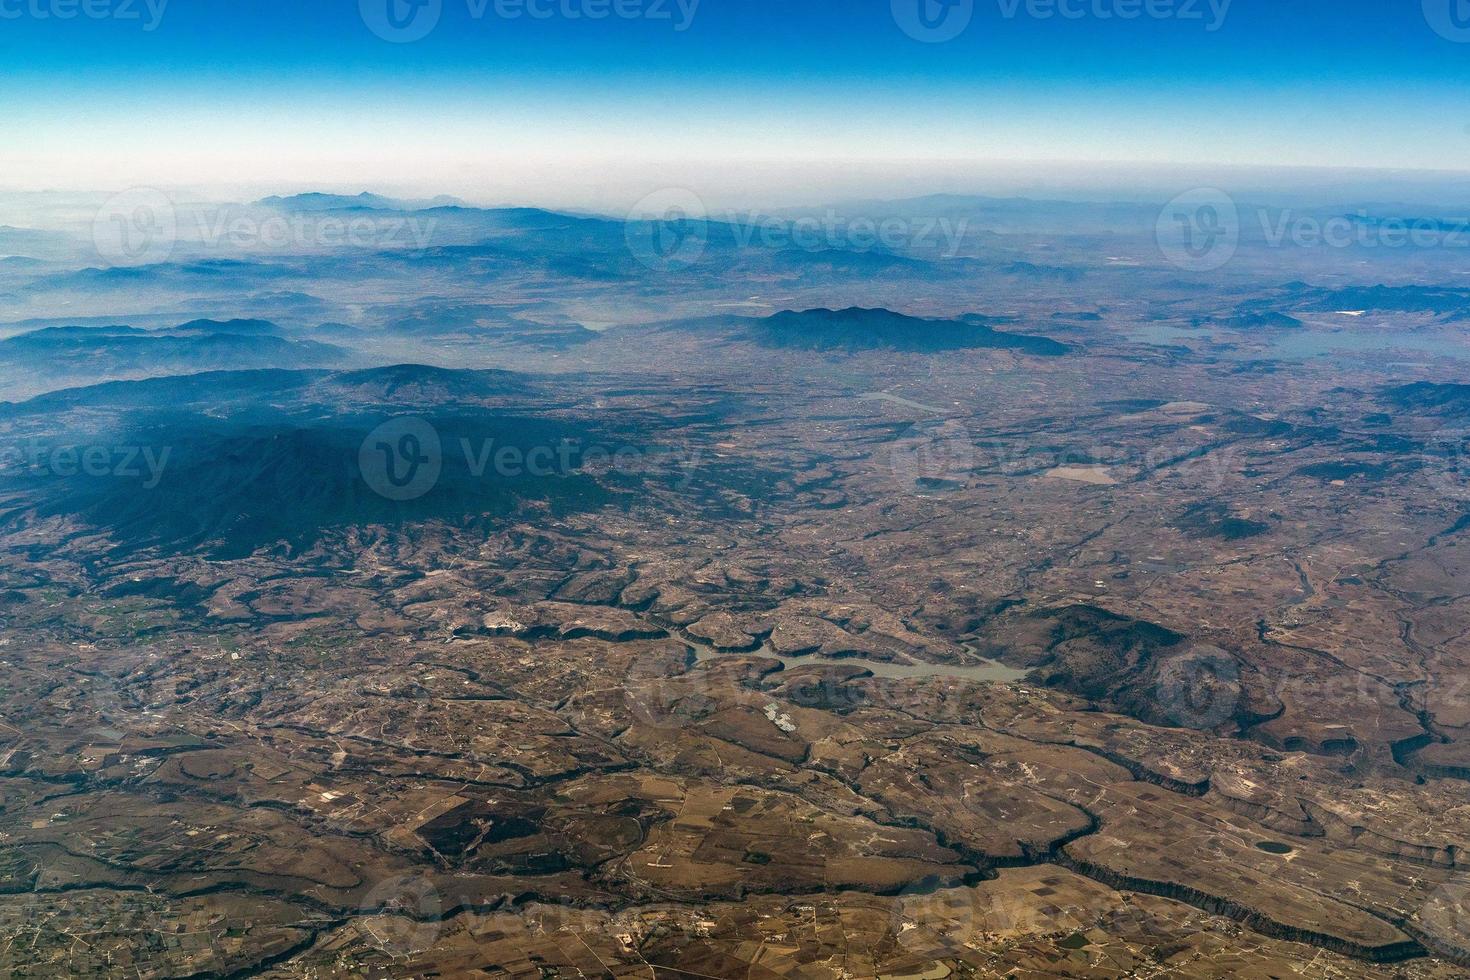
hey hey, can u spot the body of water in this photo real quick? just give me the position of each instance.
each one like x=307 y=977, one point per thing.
x=988 y=670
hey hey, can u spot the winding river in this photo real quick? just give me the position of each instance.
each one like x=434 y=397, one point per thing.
x=988 y=670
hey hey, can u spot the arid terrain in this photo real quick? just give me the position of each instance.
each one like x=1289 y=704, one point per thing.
x=1080 y=620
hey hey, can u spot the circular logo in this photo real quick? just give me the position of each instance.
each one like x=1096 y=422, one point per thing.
x=1444 y=920
x=1448 y=464
x=1199 y=690
x=137 y=227
x=401 y=21
x=1449 y=18
x=933 y=21
x=1199 y=231
x=928 y=918
x=823 y=690
x=667 y=230
x=936 y=456
x=408 y=911
x=659 y=698
x=401 y=459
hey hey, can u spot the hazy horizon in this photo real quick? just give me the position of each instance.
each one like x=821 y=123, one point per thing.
x=487 y=100
x=773 y=185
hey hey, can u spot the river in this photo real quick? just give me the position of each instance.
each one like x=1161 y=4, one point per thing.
x=988 y=671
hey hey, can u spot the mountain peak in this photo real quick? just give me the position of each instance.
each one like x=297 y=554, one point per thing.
x=859 y=328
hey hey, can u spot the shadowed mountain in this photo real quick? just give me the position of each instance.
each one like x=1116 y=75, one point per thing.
x=228 y=489
x=859 y=329
x=224 y=388
x=239 y=328
x=232 y=462
x=1384 y=299
x=1214 y=520
x=420 y=384
x=1251 y=320
x=277 y=394
x=1431 y=398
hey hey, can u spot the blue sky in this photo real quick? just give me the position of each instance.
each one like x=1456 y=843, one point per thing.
x=272 y=92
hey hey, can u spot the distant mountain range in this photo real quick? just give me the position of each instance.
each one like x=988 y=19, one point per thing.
x=99 y=352
x=365 y=201
x=858 y=329
x=17 y=243
x=556 y=266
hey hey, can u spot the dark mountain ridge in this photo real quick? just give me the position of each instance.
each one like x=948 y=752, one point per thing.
x=244 y=460
x=858 y=329
x=1427 y=396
